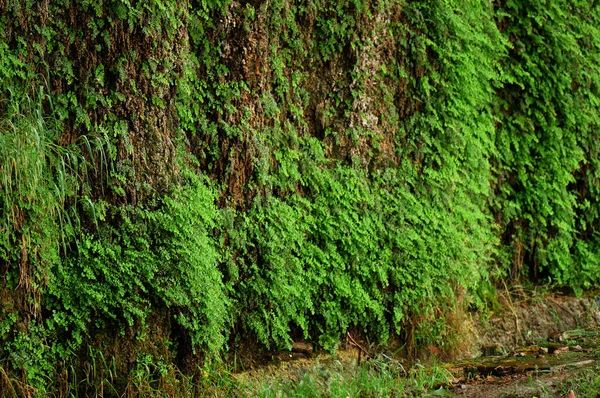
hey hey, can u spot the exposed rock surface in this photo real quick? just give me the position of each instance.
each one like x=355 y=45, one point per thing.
x=528 y=322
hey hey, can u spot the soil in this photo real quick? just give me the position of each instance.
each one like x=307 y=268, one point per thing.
x=532 y=346
x=527 y=321
x=512 y=387
x=526 y=350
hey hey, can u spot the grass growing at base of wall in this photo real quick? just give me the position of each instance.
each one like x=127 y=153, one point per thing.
x=330 y=378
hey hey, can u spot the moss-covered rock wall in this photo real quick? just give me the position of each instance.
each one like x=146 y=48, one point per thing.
x=180 y=176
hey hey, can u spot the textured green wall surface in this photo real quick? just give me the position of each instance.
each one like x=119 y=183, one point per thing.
x=180 y=176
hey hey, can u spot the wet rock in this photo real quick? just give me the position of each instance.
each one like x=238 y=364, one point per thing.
x=509 y=366
x=303 y=347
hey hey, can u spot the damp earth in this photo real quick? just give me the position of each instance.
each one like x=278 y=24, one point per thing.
x=529 y=348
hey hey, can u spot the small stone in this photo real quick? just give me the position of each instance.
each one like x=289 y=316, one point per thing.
x=560 y=350
x=542 y=350
x=571 y=394
x=576 y=348
x=302 y=347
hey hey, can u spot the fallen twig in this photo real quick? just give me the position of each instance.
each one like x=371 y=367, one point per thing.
x=361 y=348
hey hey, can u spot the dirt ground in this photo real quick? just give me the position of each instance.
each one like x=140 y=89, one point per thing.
x=525 y=385
x=525 y=321
x=553 y=319
x=510 y=349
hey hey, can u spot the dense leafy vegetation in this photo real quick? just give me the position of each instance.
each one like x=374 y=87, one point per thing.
x=546 y=163
x=178 y=176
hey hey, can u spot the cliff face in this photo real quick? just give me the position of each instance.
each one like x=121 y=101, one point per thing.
x=270 y=170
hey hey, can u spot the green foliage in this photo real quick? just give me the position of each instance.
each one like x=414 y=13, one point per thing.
x=284 y=170
x=28 y=351
x=337 y=379
x=355 y=254
x=585 y=382
x=154 y=258
x=38 y=181
x=545 y=164
x=332 y=246
x=91 y=266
